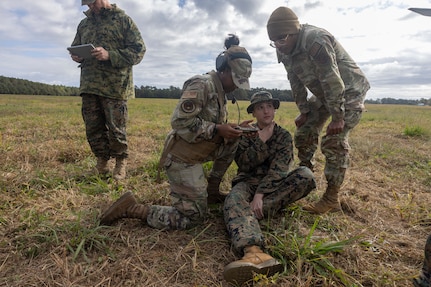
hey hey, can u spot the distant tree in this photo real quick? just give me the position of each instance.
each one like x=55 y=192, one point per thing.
x=24 y=87
x=391 y=101
x=15 y=86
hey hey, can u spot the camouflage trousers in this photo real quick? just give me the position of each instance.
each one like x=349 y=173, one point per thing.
x=105 y=125
x=188 y=191
x=424 y=278
x=334 y=147
x=242 y=225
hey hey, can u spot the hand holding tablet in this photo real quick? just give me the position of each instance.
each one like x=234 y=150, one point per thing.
x=247 y=129
x=83 y=51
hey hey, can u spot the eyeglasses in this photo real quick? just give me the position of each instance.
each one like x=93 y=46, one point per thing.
x=279 y=42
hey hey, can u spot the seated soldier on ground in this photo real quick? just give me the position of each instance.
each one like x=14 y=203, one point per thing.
x=263 y=186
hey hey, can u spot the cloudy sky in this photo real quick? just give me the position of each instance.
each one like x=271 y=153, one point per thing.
x=183 y=37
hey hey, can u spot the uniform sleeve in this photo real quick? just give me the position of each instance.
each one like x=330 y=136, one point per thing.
x=324 y=56
x=299 y=90
x=186 y=118
x=77 y=40
x=299 y=93
x=133 y=49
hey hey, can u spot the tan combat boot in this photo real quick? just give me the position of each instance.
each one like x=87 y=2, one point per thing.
x=255 y=261
x=213 y=190
x=119 y=172
x=102 y=166
x=125 y=207
x=328 y=203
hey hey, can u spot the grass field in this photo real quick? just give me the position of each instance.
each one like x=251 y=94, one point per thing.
x=51 y=199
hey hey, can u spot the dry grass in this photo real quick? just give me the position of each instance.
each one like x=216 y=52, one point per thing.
x=50 y=201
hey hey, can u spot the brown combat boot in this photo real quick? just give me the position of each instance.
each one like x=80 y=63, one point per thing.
x=213 y=190
x=119 y=172
x=102 y=166
x=125 y=207
x=328 y=203
x=254 y=261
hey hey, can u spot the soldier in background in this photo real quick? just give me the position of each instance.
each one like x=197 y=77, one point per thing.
x=423 y=280
x=315 y=61
x=200 y=133
x=264 y=185
x=107 y=81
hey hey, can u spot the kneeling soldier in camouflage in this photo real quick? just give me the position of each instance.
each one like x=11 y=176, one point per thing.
x=200 y=133
x=263 y=186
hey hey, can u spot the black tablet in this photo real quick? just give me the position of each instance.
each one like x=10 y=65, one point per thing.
x=83 y=51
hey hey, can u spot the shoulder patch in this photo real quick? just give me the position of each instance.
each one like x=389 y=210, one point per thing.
x=188 y=106
x=189 y=95
x=319 y=54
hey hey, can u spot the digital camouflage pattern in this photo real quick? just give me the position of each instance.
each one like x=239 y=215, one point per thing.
x=188 y=196
x=105 y=126
x=263 y=168
x=105 y=86
x=424 y=278
x=320 y=64
x=115 y=31
x=336 y=148
x=201 y=106
x=191 y=143
x=270 y=161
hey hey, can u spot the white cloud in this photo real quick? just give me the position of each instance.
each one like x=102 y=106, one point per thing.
x=389 y=42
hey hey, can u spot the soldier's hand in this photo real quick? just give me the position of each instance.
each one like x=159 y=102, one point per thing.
x=256 y=205
x=228 y=131
x=249 y=134
x=76 y=58
x=100 y=54
x=246 y=123
x=335 y=127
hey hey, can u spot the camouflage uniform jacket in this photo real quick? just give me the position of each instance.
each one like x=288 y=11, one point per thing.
x=264 y=165
x=202 y=105
x=113 y=30
x=320 y=64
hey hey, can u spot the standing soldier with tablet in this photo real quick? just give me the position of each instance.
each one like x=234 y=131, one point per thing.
x=106 y=81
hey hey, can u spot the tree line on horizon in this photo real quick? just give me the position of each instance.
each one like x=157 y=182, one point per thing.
x=16 y=86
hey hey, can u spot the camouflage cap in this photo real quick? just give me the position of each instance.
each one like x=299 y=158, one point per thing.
x=86 y=2
x=262 y=96
x=239 y=62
